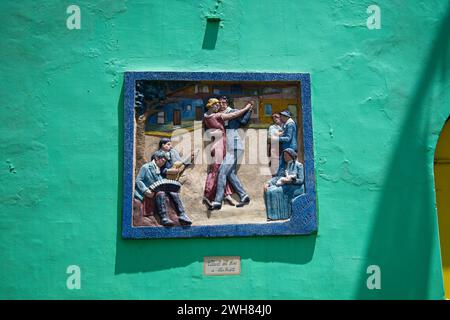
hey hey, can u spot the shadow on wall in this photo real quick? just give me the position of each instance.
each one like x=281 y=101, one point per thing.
x=211 y=32
x=404 y=234
x=134 y=256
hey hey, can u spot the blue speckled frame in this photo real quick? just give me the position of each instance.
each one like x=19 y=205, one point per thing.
x=304 y=213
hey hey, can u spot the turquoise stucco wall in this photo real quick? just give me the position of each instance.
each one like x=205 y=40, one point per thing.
x=379 y=97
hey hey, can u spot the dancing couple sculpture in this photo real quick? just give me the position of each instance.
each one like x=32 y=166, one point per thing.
x=227 y=150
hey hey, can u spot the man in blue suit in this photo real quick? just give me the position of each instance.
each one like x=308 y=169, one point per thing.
x=235 y=151
x=289 y=137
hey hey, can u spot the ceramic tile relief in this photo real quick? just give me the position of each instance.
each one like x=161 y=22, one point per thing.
x=218 y=154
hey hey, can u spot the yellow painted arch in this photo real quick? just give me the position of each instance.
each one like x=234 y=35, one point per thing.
x=442 y=184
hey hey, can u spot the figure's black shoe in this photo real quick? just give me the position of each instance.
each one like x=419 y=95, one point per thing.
x=166 y=222
x=244 y=201
x=208 y=204
x=184 y=218
x=216 y=206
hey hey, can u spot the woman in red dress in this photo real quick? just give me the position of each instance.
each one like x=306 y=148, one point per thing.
x=215 y=122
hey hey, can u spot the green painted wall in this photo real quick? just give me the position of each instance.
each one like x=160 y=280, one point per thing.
x=380 y=99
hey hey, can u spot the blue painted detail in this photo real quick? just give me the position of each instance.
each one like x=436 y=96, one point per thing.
x=304 y=208
x=169 y=108
x=267 y=109
x=152 y=119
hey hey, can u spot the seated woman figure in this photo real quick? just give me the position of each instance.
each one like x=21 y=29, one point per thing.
x=281 y=189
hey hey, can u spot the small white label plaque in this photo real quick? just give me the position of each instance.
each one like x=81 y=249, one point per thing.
x=222 y=265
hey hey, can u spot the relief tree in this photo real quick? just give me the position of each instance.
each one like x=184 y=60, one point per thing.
x=151 y=96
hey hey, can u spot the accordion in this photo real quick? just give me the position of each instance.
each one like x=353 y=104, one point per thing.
x=165 y=185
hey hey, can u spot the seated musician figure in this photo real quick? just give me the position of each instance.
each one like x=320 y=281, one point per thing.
x=175 y=164
x=148 y=175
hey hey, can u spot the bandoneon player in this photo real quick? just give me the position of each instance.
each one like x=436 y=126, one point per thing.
x=148 y=177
